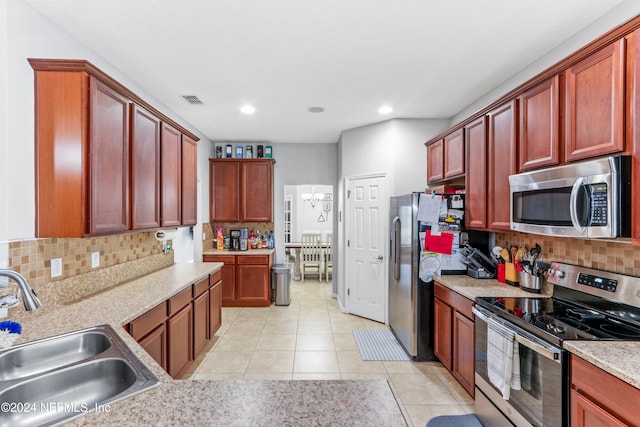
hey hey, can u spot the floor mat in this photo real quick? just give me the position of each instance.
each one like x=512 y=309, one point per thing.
x=379 y=344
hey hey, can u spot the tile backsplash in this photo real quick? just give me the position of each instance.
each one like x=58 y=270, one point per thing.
x=619 y=257
x=209 y=230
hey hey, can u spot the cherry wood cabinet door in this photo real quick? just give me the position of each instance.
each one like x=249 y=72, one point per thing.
x=585 y=413
x=464 y=352
x=539 y=143
x=476 y=178
x=215 y=308
x=108 y=160
x=171 y=176
x=454 y=154
x=224 y=190
x=200 y=322
x=502 y=163
x=594 y=104
x=155 y=343
x=633 y=125
x=252 y=285
x=443 y=328
x=435 y=162
x=256 y=200
x=189 y=181
x=145 y=169
x=180 y=342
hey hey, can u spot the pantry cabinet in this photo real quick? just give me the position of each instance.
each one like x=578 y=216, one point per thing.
x=112 y=175
x=454 y=339
x=476 y=179
x=594 y=104
x=445 y=158
x=245 y=279
x=241 y=190
x=600 y=399
x=539 y=142
x=501 y=163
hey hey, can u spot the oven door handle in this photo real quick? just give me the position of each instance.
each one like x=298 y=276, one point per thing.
x=543 y=350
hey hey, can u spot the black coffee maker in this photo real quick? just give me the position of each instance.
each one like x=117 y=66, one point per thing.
x=234 y=239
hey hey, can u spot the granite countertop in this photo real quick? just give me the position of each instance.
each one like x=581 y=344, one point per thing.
x=197 y=403
x=248 y=252
x=619 y=358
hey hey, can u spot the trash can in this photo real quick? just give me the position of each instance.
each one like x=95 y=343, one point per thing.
x=280 y=280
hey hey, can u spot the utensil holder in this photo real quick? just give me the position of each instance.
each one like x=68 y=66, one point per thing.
x=500 y=275
x=510 y=274
x=529 y=282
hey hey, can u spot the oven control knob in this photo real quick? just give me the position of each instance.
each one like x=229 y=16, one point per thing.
x=558 y=329
x=559 y=274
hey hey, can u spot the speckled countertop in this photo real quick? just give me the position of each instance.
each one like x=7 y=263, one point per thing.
x=249 y=252
x=619 y=358
x=198 y=403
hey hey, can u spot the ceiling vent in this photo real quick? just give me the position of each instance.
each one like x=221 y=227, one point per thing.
x=192 y=99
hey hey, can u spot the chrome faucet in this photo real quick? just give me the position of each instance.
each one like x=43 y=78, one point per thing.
x=29 y=297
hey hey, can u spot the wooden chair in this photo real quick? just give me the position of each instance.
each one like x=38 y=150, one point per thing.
x=328 y=253
x=311 y=254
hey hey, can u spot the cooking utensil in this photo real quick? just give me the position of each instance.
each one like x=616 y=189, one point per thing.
x=505 y=255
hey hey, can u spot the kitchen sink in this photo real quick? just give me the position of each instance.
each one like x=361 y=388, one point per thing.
x=45 y=355
x=51 y=381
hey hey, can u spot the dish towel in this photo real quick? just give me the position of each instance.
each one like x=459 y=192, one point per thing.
x=503 y=363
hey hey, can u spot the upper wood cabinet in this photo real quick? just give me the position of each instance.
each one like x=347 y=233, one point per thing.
x=171 y=158
x=241 y=190
x=475 y=134
x=189 y=181
x=539 y=143
x=97 y=153
x=594 y=104
x=145 y=169
x=445 y=158
x=502 y=163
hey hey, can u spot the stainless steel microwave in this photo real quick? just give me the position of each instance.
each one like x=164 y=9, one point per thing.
x=590 y=199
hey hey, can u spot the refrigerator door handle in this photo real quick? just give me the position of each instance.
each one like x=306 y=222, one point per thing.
x=395 y=247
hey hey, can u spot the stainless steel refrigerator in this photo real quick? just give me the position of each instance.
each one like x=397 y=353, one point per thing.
x=410 y=298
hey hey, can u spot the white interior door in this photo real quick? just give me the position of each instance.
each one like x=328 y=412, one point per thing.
x=366 y=231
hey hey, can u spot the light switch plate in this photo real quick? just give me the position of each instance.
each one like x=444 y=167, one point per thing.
x=56 y=267
x=95 y=259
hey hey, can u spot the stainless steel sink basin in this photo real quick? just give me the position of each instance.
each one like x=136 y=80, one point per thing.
x=33 y=358
x=89 y=370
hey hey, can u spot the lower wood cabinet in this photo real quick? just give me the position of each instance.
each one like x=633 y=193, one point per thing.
x=176 y=331
x=246 y=279
x=600 y=399
x=454 y=340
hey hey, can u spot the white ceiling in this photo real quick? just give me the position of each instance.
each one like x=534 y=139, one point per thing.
x=425 y=58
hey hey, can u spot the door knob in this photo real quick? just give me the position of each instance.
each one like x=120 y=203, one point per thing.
x=380 y=258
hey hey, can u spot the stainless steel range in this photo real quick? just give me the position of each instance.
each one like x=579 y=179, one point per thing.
x=587 y=304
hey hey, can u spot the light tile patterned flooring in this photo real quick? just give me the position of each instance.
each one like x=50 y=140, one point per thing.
x=312 y=339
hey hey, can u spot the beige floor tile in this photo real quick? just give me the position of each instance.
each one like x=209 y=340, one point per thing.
x=254 y=313
x=315 y=342
x=223 y=328
x=262 y=377
x=271 y=362
x=280 y=327
x=225 y=362
x=229 y=314
x=236 y=343
x=276 y=342
x=316 y=377
x=421 y=414
x=218 y=377
x=364 y=376
x=319 y=362
x=245 y=327
x=345 y=342
x=351 y=362
x=421 y=389
x=454 y=387
x=314 y=327
x=408 y=367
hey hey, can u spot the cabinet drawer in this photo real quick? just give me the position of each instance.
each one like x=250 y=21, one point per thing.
x=454 y=299
x=215 y=278
x=144 y=324
x=253 y=259
x=178 y=301
x=227 y=259
x=200 y=287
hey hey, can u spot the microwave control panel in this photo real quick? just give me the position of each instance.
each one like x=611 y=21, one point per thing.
x=598 y=204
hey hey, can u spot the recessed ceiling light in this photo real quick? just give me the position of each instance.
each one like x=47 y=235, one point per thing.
x=248 y=109
x=315 y=109
x=385 y=109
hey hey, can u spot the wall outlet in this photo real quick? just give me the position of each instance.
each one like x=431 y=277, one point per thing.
x=95 y=259
x=56 y=267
